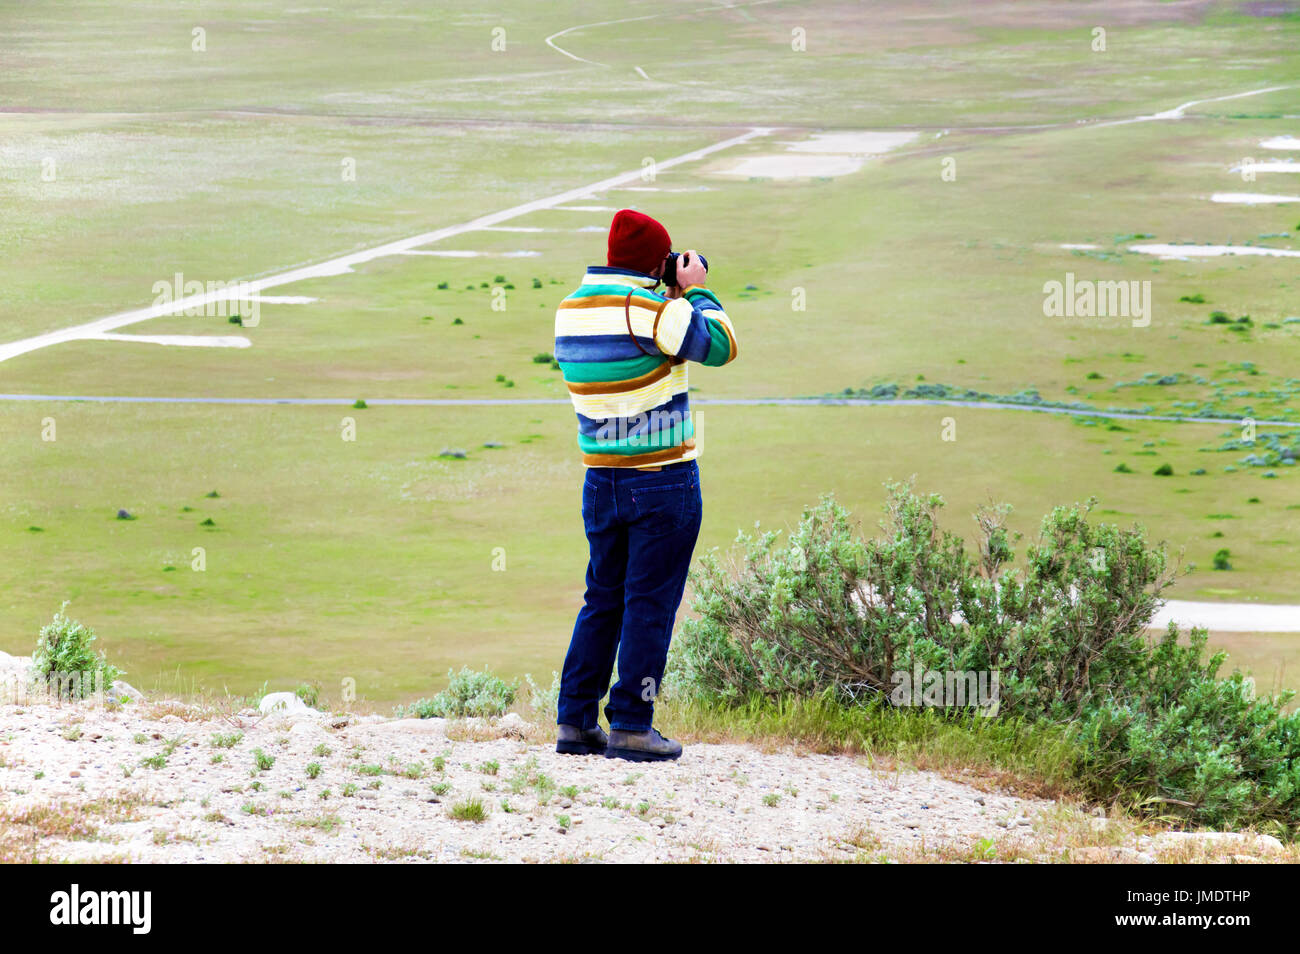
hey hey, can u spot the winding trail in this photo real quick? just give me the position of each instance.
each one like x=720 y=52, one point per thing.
x=550 y=40
x=345 y=263
x=1179 y=112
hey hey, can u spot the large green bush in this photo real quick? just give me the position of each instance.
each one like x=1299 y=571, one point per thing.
x=826 y=609
x=65 y=661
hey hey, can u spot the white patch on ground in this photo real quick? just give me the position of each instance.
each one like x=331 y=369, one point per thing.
x=1210 y=251
x=794 y=167
x=853 y=143
x=181 y=341
x=1252 y=198
x=1281 y=142
x=1076 y=245
x=1230 y=617
x=1271 y=165
x=821 y=156
x=583 y=208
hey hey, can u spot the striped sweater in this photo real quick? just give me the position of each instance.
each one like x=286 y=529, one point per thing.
x=630 y=389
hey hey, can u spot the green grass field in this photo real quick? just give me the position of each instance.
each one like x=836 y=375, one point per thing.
x=372 y=558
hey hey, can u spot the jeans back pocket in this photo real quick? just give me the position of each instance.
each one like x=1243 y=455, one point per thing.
x=663 y=508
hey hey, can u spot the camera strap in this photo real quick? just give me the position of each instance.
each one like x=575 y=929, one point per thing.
x=627 y=316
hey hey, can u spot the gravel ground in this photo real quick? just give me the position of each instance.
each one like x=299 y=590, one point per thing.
x=153 y=784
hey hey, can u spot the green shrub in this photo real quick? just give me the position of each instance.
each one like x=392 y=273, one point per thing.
x=827 y=613
x=63 y=650
x=830 y=609
x=1187 y=743
x=1221 y=559
x=309 y=693
x=1164 y=470
x=468 y=693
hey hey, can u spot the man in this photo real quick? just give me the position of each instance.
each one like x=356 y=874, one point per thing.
x=623 y=348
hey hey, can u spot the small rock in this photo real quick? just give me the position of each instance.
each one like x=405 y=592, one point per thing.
x=282 y=702
x=16 y=663
x=513 y=725
x=1246 y=840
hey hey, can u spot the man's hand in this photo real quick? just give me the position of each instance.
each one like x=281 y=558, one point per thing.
x=690 y=270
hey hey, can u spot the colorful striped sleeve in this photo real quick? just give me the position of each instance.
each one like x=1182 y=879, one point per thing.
x=696 y=328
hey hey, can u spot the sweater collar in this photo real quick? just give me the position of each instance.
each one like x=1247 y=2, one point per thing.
x=613 y=275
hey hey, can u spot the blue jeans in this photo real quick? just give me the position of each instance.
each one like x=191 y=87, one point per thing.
x=641 y=528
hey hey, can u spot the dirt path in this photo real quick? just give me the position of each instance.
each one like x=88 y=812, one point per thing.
x=169 y=782
x=159 y=789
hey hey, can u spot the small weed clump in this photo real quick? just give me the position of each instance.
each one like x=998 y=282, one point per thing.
x=468 y=693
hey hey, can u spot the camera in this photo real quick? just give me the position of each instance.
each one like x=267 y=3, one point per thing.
x=670 y=267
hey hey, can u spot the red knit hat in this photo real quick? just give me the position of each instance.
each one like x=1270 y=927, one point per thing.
x=637 y=241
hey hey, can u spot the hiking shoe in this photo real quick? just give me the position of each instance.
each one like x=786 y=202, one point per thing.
x=574 y=741
x=648 y=746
